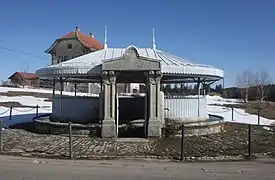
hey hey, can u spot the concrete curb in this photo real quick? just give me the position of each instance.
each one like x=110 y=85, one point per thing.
x=266 y=159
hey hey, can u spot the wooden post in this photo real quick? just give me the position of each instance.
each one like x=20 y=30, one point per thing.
x=249 y=140
x=258 y=116
x=37 y=109
x=70 y=140
x=181 y=144
x=232 y=113
x=75 y=86
x=10 y=112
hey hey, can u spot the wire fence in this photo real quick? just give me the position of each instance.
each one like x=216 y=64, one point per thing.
x=245 y=141
x=237 y=114
x=234 y=111
x=181 y=142
x=24 y=110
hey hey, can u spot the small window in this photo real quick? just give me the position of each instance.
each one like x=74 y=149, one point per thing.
x=70 y=46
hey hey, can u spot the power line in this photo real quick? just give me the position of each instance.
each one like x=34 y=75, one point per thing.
x=22 y=53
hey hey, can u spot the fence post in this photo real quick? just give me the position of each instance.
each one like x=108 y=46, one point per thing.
x=258 y=116
x=232 y=111
x=1 y=136
x=181 y=144
x=37 y=109
x=70 y=140
x=10 y=112
x=249 y=140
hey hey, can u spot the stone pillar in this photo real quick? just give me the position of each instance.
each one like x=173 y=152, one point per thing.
x=109 y=91
x=161 y=107
x=154 y=113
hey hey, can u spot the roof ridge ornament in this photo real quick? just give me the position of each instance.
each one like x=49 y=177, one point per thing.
x=131 y=53
x=154 y=40
x=105 y=38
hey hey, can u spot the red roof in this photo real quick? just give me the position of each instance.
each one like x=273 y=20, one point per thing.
x=86 y=40
x=25 y=75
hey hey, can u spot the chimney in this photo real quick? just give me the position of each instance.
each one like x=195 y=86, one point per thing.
x=91 y=34
x=77 y=28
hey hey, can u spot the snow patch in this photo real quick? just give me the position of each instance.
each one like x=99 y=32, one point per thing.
x=20 y=115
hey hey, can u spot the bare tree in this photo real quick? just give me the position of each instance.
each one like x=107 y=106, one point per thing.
x=244 y=82
x=262 y=80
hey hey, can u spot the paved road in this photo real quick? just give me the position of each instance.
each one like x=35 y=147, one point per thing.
x=18 y=168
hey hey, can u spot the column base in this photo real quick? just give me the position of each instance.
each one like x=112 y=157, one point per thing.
x=108 y=129
x=154 y=127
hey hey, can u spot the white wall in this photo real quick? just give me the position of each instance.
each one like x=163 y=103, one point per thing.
x=79 y=109
x=185 y=107
x=61 y=49
x=86 y=108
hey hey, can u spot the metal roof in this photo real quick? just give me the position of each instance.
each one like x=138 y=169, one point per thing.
x=90 y=63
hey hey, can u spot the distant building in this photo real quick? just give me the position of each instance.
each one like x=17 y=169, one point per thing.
x=71 y=45
x=24 y=79
x=75 y=44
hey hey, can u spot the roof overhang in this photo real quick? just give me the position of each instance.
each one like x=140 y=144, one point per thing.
x=90 y=65
x=58 y=40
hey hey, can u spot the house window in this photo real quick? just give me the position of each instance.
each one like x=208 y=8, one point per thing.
x=70 y=46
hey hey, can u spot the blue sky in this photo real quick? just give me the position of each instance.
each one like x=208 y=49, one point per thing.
x=232 y=35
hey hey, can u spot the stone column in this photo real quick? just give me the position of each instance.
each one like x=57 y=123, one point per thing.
x=101 y=103
x=154 y=121
x=109 y=90
x=158 y=76
x=161 y=107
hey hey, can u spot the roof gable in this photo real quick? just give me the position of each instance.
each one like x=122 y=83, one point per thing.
x=25 y=75
x=85 y=40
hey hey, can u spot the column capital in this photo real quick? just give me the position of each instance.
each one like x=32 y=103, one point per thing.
x=105 y=77
x=151 y=77
x=112 y=79
x=158 y=76
x=108 y=77
x=112 y=73
x=154 y=77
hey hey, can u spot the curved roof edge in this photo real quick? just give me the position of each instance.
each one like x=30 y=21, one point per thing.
x=90 y=64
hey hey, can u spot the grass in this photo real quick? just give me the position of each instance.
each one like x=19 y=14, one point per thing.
x=267 y=109
x=233 y=141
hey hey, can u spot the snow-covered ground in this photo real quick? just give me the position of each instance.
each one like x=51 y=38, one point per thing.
x=26 y=114
x=46 y=91
x=239 y=115
x=220 y=100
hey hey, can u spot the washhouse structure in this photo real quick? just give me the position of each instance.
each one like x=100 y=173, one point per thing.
x=110 y=66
